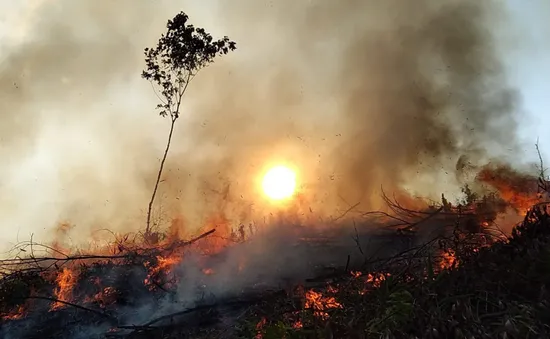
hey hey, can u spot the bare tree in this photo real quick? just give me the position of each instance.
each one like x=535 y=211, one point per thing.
x=180 y=54
x=543 y=178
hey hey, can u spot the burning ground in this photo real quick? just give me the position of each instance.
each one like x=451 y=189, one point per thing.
x=301 y=279
x=356 y=95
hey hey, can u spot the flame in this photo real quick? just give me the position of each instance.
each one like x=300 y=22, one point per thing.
x=19 y=313
x=298 y=325
x=448 y=259
x=61 y=233
x=163 y=268
x=377 y=279
x=66 y=281
x=207 y=271
x=259 y=327
x=519 y=190
x=320 y=304
x=371 y=280
x=106 y=295
x=220 y=240
x=356 y=274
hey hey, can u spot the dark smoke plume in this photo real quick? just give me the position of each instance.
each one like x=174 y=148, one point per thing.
x=355 y=94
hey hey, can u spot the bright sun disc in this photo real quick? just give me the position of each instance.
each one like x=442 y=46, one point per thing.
x=279 y=183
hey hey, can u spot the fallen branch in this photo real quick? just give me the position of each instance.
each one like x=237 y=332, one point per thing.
x=54 y=300
x=256 y=298
x=40 y=264
x=351 y=208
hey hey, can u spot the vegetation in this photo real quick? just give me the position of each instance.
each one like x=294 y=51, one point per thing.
x=180 y=54
x=455 y=286
x=499 y=291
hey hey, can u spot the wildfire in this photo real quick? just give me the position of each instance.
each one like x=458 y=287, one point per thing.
x=66 y=281
x=448 y=259
x=17 y=314
x=520 y=191
x=163 y=267
x=259 y=327
x=105 y=296
x=161 y=259
x=298 y=325
x=371 y=280
x=320 y=304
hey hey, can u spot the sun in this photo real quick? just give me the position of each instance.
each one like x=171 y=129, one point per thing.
x=279 y=183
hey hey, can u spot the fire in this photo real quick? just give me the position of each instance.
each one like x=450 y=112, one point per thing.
x=370 y=280
x=448 y=259
x=519 y=190
x=298 y=325
x=259 y=327
x=106 y=295
x=207 y=271
x=66 y=281
x=17 y=314
x=279 y=183
x=376 y=279
x=163 y=266
x=320 y=304
x=161 y=259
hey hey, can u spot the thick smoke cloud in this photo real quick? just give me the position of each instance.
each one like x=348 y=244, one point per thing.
x=355 y=94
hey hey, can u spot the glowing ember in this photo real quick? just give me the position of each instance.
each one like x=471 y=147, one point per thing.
x=17 y=314
x=259 y=327
x=164 y=267
x=279 y=183
x=370 y=280
x=65 y=284
x=320 y=304
x=106 y=296
x=376 y=279
x=356 y=274
x=207 y=271
x=448 y=259
x=297 y=325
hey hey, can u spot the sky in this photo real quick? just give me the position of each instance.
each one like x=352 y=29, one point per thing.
x=530 y=68
x=528 y=63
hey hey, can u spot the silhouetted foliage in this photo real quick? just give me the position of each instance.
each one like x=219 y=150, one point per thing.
x=179 y=55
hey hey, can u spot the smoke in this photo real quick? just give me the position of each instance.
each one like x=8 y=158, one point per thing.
x=360 y=94
x=354 y=94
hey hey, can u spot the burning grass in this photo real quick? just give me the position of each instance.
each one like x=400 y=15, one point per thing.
x=440 y=271
x=497 y=291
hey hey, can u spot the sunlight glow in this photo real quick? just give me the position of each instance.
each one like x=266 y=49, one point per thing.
x=279 y=183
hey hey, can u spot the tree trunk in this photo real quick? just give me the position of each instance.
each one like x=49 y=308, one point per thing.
x=151 y=202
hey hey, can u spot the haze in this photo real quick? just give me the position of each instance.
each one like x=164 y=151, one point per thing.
x=356 y=94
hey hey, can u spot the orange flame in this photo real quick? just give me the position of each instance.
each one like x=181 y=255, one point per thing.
x=519 y=190
x=259 y=327
x=448 y=259
x=19 y=313
x=66 y=281
x=164 y=266
x=320 y=304
x=207 y=271
x=298 y=325
x=371 y=280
